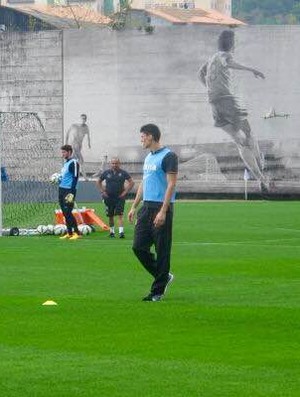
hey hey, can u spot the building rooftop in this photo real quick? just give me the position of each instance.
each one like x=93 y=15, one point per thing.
x=65 y=17
x=193 y=16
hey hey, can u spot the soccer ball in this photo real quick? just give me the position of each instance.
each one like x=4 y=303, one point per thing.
x=84 y=229
x=50 y=229
x=59 y=229
x=55 y=178
x=42 y=229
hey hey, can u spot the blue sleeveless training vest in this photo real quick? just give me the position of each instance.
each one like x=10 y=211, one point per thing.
x=154 y=177
x=66 y=176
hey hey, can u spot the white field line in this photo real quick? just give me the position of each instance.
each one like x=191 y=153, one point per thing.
x=54 y=242
x=245 y=242
x=289 y=230
x=226 y=243
x=268 y=243
x=274 y=228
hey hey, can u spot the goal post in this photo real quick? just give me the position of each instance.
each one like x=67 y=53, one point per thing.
x=27 y=157
x=1 y=223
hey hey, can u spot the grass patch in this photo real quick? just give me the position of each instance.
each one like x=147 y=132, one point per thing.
x=229 y=325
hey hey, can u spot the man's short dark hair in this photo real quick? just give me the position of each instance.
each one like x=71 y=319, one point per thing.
x=151 y=129
x=226 y=40
x=83 y=115
x=67 y=148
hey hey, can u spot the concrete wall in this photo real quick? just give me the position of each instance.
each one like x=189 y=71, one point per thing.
x=31 y=102
x=123 y=80
x=31 y=76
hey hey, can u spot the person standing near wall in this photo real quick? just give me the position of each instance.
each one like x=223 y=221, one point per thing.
x=155 y=218
x=118 y=184
x=67 y=191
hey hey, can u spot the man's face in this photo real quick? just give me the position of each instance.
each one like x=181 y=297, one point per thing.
x=115 y=164
x=65 y=154
x=146 y=140
x=83 y=119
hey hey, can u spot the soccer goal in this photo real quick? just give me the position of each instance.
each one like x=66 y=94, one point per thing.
x=27 y=157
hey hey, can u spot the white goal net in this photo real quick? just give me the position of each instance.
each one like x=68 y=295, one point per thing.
x=28 y=157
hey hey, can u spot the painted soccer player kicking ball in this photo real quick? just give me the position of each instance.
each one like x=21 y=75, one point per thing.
x=227 y=112
x=155 y=218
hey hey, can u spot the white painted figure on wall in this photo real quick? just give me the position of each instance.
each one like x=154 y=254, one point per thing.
x=228 y=114
x=75 y=136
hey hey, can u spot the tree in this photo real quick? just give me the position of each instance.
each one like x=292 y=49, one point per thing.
x=267 y=11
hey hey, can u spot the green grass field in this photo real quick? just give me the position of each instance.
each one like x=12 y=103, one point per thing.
x=229 y=325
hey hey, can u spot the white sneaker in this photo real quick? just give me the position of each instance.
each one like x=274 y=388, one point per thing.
x=170 y=280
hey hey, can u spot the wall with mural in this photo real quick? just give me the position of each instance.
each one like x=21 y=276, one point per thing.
x=223 y=113
x=122 y=80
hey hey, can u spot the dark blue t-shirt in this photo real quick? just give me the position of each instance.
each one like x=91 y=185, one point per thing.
x=114 y=181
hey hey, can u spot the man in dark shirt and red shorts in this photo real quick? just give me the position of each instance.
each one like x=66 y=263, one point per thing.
x=118 y=183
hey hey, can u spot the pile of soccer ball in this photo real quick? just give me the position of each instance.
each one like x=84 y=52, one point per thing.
x=61 y=229
x=85 y=229
x=47 y=229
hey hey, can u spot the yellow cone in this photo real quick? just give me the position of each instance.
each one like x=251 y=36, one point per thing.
x=49 y=303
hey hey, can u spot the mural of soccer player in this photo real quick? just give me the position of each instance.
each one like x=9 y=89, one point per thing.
x=75 y=136
x=228 y=114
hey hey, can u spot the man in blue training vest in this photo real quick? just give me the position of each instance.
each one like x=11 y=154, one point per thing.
x=67 y=191
x=154 y=219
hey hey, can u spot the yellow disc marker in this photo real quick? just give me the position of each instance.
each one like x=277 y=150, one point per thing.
x=49 y=303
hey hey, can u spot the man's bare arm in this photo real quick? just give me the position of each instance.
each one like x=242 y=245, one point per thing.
x=202 y=72
x=101 y=187
x=237 y=66
x=88 y=137
x=171 y=184
x=136 y=202
x=68 y=135
x=127 y=188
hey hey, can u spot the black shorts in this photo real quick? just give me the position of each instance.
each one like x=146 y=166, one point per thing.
x=62 y=193
x=114 y=206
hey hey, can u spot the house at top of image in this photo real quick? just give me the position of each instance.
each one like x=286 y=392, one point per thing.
x=110 y=6
x=23 y=15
